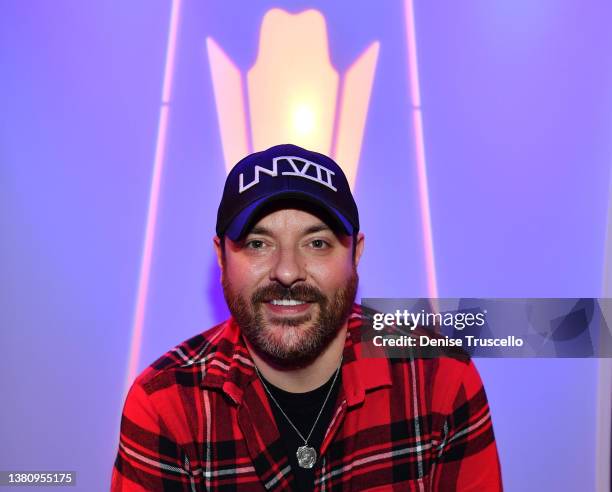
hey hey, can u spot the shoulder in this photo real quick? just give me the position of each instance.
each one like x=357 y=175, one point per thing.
x=182 y=364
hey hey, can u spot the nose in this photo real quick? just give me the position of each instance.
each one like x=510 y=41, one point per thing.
x=288 y=267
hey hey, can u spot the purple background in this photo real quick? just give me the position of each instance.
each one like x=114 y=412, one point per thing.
x=517 y=109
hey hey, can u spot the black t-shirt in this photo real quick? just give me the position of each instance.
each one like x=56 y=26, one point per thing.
x=302 y=409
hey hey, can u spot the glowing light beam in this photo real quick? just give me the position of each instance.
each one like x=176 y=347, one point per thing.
x=353 y=111
x=292 y=86
x=419 y=141
x=158 y=163
x=229 y=100
x=604 y=389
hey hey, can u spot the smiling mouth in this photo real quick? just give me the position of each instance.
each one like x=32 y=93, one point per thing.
x=286 y=302
x=287 y=307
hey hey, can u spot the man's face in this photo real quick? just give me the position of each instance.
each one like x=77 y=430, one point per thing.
x=290 y=284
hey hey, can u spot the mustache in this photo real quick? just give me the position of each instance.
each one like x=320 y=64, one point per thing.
x=299 y=292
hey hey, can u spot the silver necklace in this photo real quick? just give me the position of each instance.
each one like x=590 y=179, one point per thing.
x=306 y=455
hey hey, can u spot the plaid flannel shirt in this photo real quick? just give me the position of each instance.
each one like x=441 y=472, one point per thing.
x=198 y=419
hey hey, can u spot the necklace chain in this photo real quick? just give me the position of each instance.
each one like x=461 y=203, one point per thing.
x=285 y=415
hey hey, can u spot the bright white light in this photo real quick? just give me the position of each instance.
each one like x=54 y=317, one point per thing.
x=303 y=119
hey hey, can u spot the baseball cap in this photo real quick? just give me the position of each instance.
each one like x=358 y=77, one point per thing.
x=284 y=172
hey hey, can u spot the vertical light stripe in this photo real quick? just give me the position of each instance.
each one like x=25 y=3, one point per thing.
x=160 y=150
x=417 y=123
x=604 y=425
x=603 y=451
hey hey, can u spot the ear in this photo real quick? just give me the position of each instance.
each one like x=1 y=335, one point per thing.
x=219 y=251
x=359 y=245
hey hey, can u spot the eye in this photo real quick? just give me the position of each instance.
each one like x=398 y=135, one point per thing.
x=319 y=244
x=255 y=244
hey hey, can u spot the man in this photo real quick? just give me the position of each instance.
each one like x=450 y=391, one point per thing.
x=279 y=397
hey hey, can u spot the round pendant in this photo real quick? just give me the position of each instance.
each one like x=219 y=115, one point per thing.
x=306 y=456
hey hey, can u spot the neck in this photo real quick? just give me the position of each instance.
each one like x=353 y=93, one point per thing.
x=306 y=378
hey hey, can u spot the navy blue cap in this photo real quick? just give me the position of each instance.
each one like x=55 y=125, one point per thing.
x=284 y=172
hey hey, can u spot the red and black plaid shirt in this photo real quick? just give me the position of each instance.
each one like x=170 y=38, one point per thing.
x=198 y=419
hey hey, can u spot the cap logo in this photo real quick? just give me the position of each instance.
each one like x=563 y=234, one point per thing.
x=300 y=168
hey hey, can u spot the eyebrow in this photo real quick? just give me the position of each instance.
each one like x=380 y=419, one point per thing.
x=310 y=230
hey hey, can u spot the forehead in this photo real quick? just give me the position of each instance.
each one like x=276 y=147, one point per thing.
x=288 y=217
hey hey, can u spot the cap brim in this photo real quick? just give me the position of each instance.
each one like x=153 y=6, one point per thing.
x=239 y=226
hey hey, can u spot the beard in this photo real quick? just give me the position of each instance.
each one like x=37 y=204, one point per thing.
x=297 y=341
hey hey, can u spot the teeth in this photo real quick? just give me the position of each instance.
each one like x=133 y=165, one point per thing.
x=287 y=302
